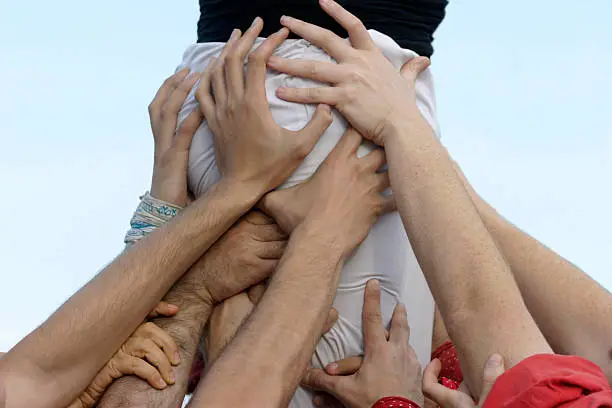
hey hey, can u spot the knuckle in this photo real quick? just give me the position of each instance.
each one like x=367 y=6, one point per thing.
x=374 y=317
x=256 y=57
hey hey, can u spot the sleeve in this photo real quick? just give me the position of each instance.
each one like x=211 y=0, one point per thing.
x=549 y=380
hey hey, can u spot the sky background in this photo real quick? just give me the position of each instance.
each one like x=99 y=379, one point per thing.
x=524 y=96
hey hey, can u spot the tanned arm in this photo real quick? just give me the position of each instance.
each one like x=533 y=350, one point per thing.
x=571 y=309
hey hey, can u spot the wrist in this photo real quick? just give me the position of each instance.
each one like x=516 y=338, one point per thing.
x=316 y=232
x=403 y=123
x=397 y=402
x=247 y=193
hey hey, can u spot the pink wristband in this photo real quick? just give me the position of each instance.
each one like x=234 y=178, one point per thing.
x=395 y=402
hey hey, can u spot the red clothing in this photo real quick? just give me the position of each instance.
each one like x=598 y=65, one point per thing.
x=450 y=374
x=549 y=380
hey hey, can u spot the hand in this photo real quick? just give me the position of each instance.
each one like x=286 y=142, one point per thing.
x=229 y=316
x=244 y=256
x=290 y=206
x=390 y=367
x=366 y=88
x=251 y=148
x=171 y=145
x=344 y=198
x=447 y=398
x=148 y=354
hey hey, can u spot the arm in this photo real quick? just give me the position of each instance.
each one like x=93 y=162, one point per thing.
x=552 y=287
x=473 y=286
x=256 y=156
x=280 y=336
x=252 y=247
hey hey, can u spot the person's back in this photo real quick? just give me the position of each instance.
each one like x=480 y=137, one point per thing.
x=386 y=253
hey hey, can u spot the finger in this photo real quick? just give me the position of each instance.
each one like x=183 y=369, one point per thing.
x=186 y=131
x=172 y=107
x=373 y=331
x=333 y=45
x=317 y=379
x=257 y=64
x=312 y=132
x=234 y=73
x=400 y=330
x=494 y=367
x=347 y=366
x=157 y=358
x=203 y=93
x=218 y=71
x=327 y=95
x=443 y=396
x=331 y=320
x=140 y=368
x=269 y=232
x=258 y=218
x=164 y=341
x=348 y=144
x=382 y=181
x=256 y=292
x=358 y=34
x=388 y=205
x=271 y=250
x=164 y=309
x=374 y=160
x=327 y=72
x=162 y=95
x=412 y=68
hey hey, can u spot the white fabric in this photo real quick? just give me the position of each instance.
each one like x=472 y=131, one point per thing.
x=385 y=254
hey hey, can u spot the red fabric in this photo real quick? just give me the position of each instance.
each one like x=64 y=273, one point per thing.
x=395 y=402
x=196 y=373
x=549 y=380
x=451 y=375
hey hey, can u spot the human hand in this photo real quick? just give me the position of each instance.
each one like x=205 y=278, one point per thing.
x=244 y=256
x=447 y=398
x=149 y=354
x=290 y=206
x=365 y=87
x=251 y=148
x=171 y=145
x=344 y=198
x=390 y=367
x=229 y=316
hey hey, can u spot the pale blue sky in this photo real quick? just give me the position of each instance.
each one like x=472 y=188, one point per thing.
x=524 y=96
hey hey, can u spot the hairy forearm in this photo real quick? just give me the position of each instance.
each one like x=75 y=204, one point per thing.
x=467 y=274
x=124 y=292
x=553 y=287
x=186 y=329
x=280 y=336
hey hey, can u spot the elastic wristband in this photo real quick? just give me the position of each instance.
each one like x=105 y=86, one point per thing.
x=150 y=214
x=395 y=402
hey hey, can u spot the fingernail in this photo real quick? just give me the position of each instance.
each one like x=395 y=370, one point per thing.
x=318 y=400
x=161 y=383
x=374 y=283
x=325 y=107
x=285 y=19
x=177 y=357
x=172 y=377
x=332 y=367
x=255 y=21
x=494 y=361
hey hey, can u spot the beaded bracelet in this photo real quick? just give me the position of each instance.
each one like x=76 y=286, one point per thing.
x=150 y=214
x=395 y=402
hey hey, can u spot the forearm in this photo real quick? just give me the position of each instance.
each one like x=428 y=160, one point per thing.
x=279 y=337
x=148 y=269
x=186 y=329
x=552 y=287
x=471 y=283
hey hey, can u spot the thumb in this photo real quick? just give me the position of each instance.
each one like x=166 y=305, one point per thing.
x=412 y=68
x=187 y=130
x=444 y=397
x=310 y=134
x=164 y=309
x=318 y=380
x=494 y=367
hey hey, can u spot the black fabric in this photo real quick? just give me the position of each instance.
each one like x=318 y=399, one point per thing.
x=411 y=23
